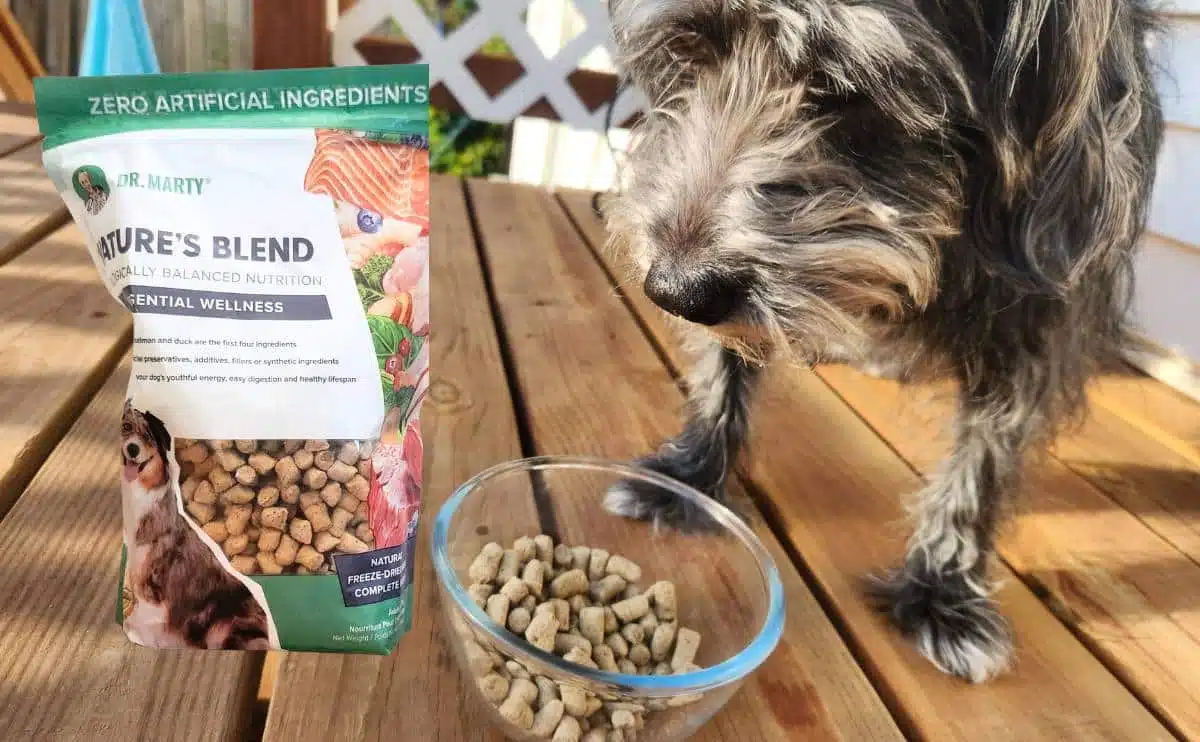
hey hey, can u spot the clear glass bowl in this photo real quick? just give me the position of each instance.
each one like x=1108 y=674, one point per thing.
x=727 y=588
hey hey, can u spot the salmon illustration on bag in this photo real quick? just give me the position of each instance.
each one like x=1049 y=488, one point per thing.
x=269 y=233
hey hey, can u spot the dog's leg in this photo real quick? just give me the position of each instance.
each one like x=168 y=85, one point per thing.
x=704 y=453
x=941 y=595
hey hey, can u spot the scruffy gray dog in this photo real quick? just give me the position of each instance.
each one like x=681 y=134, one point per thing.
x=950 y=187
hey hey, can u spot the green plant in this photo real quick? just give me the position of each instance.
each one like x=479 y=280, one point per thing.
x=464 y=147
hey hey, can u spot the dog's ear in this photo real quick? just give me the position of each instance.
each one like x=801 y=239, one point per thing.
x=1077 y=125
x=158 y=431
x=662 y=44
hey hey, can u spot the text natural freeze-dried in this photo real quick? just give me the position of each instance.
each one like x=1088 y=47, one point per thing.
x=269 y=232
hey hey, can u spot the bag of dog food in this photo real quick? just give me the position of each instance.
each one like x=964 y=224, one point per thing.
x=269 y=233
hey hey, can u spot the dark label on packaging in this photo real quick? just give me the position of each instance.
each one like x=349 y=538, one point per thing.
x=375 y=576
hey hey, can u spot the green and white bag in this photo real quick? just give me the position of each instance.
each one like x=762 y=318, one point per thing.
x=269 y=233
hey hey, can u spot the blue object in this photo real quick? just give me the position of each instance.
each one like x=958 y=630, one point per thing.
x=117 y=40
x=369 y=221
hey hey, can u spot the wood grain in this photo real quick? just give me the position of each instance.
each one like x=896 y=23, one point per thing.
x=18 y=63
x=1154 y=408
x=593 y=385
x=468 y=425
x=290 y=34
x=834 y=488
x=30 y=207
x=18 y=126
x=70 y=675
x=1130 y=594
x=61 y=334
x=1155 y=482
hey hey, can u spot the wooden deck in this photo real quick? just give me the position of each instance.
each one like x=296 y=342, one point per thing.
x=536 y=351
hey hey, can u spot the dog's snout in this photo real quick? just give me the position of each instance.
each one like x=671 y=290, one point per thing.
x=132 y=450
x=700 y=296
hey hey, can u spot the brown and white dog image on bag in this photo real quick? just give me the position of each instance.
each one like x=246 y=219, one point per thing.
x=183 y=596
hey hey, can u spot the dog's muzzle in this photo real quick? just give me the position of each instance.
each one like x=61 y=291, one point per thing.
x=696 y=295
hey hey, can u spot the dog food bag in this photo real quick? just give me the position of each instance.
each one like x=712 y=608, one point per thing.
x=269 y=234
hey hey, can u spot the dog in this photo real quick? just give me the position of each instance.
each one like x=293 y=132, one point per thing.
x=932 y=188
x=182 y=595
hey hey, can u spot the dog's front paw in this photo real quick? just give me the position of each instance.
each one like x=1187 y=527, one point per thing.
x=954 y=624
x=641 y=500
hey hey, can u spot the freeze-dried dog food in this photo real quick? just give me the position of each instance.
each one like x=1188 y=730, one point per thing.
x=269 y=232
x=593 y=614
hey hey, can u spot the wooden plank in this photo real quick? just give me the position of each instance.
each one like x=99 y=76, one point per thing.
x=836 y=493
x=18 y=126
x=592 y=384
x=61 y=334
x=1153 y=407
x=1108 y=576
x=30 y=207
x=70 y=675
x=18 y=62
x=290 y=33
x=1157 y=483
x=468 y=425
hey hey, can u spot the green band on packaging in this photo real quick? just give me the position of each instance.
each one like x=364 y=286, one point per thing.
x=385 y=98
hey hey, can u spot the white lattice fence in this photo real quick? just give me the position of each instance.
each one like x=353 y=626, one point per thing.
x=545 y=76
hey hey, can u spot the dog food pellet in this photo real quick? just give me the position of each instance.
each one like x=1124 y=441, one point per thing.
x=591 y=624
x=618 y=645
x=648 y=623
x=547 y=690
x=569 y=584
x=519 y=620
x=632 y=609
x=596 y=564
x=534 y=577
x=662 y=641
x=516 y=669
x=542 y=631
x=563 y=557
x=581 y=656
x=515 y=590
x=640 y=655
x=497 y=609
x=663 y=596
x=494 y=687
x=510 y=567
x=547 y=719
x=568 y=730
x=622 y=567
x=583 y=604
x=607 y=589
x=633 y=633
x=564 y=643
x=603 y=656
x=687 y=642
x=253 y=489
x=517 y=712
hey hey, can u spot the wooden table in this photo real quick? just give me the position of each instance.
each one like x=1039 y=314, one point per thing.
x=537 y=351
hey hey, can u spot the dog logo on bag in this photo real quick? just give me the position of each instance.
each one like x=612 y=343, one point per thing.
x=92 y=187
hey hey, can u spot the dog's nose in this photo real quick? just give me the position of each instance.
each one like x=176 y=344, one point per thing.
x=703 y=297
x=132 y=450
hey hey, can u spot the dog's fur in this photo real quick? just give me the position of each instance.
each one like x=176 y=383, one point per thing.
x=182 y=595
x=929 y=186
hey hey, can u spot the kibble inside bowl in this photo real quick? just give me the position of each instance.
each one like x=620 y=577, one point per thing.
x=574 y=624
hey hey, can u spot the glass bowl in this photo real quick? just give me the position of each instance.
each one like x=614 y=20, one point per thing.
x=727 y=589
